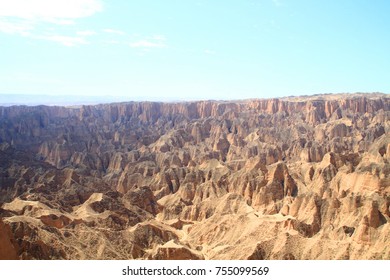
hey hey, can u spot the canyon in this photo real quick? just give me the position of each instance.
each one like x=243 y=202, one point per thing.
x=286 y=178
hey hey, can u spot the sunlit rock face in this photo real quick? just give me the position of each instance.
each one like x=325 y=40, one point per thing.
x=289 y=178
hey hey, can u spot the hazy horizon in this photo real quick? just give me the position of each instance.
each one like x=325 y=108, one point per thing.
x=72 y=100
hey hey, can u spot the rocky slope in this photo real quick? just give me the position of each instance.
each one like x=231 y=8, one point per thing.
x=291 y=178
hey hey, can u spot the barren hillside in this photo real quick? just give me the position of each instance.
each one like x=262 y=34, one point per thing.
x=290 y=178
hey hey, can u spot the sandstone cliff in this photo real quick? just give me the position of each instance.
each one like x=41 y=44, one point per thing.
x=253 y=179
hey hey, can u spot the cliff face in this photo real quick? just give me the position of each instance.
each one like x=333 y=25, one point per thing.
x=7 y=247
x=173 y=180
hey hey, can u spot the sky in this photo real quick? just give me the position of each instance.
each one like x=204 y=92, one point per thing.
x=189 y=50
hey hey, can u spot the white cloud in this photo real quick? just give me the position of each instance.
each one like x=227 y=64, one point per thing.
x=209 y=52
x=156 y=41
x=60 y=21
x=147 y=44
x=49 y=10
x=112 y=42
x=113 y=31
x=86 y=33
x=21 y=28
x=277 y=3
x=159 y=37
x=25 y=18
x=68 y=41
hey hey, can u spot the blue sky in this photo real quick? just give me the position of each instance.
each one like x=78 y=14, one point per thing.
x=186 y=50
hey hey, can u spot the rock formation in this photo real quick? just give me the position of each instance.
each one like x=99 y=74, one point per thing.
x=290 y=178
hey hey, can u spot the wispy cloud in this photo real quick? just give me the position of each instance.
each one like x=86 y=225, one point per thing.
x=147 y=44
x=156 y=41
x=10 y=27
x=69 y=41
x=112 y=42
x=211 y=52
x=86 y=33
x=277 y=3
x=113 y=31
x=23 y=17
x=46 y=10
x=158 y=37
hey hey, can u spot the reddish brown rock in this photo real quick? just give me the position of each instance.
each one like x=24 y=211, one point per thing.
x=8 y=249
